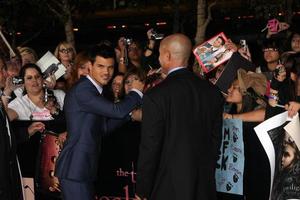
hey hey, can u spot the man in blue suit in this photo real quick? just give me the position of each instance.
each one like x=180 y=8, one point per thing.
x=89 y=116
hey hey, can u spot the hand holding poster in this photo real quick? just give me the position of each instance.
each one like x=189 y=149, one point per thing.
x=281 y=143
x=212 y=53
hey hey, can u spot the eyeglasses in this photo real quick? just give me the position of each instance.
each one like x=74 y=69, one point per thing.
x=68 y=50
x=269 y=49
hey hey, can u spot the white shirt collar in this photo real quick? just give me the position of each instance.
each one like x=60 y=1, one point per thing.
x=174 y=69
x=99 y=87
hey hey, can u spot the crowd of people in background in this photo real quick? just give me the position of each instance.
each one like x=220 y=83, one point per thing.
x=254 y=96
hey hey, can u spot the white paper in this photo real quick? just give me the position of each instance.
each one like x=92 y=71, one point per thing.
x=293 y=129
x=47 y=60
x=262 y=133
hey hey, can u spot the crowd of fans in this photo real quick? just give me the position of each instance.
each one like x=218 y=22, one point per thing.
x=253 y=97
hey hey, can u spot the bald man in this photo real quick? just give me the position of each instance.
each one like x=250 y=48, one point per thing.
x=181 y=130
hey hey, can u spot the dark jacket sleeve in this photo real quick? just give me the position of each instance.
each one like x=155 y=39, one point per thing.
x=20 y=130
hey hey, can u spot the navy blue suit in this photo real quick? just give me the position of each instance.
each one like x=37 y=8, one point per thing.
x=89 y=116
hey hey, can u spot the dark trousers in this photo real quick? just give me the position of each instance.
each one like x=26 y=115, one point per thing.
x=75 y=190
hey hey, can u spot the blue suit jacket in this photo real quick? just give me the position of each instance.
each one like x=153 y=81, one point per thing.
x=89 y=116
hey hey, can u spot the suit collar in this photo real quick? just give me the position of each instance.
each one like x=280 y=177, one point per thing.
x=98 y=87
x=178 y=71
x=174 y=69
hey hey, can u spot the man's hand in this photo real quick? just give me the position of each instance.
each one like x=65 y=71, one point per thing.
x=136 y=115
x=35 y=127
x=292 y=108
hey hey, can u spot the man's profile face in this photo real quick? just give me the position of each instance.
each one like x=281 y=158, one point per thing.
x=102 y=70
x=218 y=42
x=163 y=59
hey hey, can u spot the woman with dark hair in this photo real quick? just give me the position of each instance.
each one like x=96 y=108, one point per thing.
x=36 y=104
x=293 y=42
x=246 y=94
x=33 y=104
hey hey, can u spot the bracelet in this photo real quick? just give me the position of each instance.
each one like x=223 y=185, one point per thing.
x=274 y=97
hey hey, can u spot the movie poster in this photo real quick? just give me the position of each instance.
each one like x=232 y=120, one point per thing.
x=230 y=165
x=281 y=141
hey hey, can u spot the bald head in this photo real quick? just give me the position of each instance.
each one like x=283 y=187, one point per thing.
x=179 y=47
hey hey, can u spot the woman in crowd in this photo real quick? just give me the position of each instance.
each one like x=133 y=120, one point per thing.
x=80 y=68
x=117 y=91
x=247 y=94
x=65 y=53
x=32 y=103
x=294 y=42
x=36 y=104
x=271 y=54
x=137 y=57
x=28 y=55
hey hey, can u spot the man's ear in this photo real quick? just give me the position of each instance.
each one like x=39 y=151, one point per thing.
x=168 y=56
x=89 y=64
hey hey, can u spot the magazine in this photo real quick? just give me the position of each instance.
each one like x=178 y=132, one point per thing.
x=212 y=53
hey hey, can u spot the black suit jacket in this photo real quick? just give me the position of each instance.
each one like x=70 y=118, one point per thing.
x=10 y=184
x=181 y=133
x=89 y=116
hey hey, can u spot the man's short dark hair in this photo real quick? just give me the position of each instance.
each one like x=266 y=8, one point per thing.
x=102 y=50
x=222 y=40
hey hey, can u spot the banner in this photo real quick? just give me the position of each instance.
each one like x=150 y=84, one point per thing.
x=117 y=164
x=280 y=139
x=230 y=165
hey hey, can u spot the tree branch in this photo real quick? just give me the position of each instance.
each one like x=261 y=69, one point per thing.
x=209 y=17
x=58 y=3
x=60 y=16
x=31 y=38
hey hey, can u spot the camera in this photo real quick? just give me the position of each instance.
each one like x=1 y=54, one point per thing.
x=279 y=70
x=156 y=36
x=127 y=41
x=17 y=80
x=50 y=70
x=273 y=25
x=243 y=44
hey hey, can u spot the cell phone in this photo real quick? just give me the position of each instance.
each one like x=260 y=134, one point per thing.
x=17 y=80
x=273 y=25
x=243 y=44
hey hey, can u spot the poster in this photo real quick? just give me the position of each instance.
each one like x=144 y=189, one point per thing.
x=230 y=165
x=280 y=139
x=212 y=53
